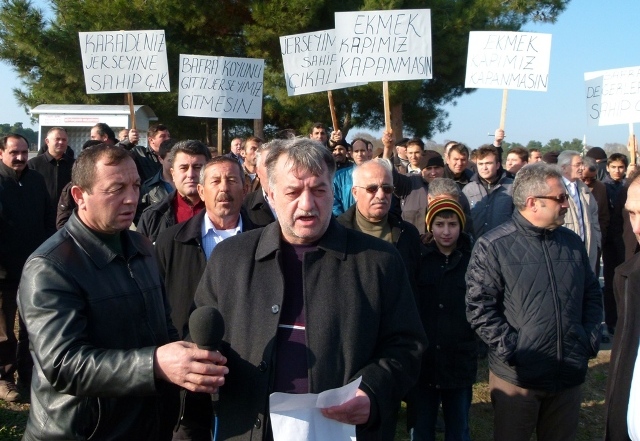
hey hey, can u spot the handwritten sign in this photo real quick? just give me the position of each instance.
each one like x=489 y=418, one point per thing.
x=124 y=61
x=613 y=96
x=310 y=62
x=384 y=45
x=220 y=87
x=508 y=60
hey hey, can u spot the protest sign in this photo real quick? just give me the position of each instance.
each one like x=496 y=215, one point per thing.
x=220 y=87
x=613 y=96
x=124 y=61
x=310 y=62
x=384 y=45
x=508 y=60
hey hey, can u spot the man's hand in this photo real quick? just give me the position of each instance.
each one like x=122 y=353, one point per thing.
x=335 y=138
x=355 y=411
x=498 y=137
x=194 y=369
x=134 y=137
x=388 y=142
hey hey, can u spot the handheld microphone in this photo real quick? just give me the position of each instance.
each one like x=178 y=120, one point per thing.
x=206 y=327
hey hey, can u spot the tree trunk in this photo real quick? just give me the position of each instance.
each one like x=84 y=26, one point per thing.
x=396 y=120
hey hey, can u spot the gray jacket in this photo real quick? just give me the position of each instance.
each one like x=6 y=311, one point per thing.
x=491 y=205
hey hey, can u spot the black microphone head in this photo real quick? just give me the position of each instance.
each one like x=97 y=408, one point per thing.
x=206 y=327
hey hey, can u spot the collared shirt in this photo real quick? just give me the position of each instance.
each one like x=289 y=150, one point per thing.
x=183 y=208
x=633 y=423
x=211 y=236
x=572 y=187
x=413 y=171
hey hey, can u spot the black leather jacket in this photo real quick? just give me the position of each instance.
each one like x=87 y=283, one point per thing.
x=95 y=319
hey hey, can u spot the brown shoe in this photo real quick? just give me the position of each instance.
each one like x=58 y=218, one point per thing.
x=9 y=391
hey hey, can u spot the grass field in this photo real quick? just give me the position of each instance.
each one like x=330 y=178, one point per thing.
x=13 y=417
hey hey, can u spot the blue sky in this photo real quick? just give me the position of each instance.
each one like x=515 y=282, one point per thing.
x=588 y=36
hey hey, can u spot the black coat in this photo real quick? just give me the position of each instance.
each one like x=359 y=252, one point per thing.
x=27 y=218
x=95 y=320
x=361 y=320
x=625 y=349
x=157 y=217
x=56 y=173
x=258 y=209
x=450 y=361
x=182 y=261
x=534 y=300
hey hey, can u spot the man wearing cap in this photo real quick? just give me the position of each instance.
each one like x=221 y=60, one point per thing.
x=533 y=298
x=449 y=364
x=340 y=155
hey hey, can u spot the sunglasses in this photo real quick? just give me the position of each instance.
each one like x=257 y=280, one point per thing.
x=373 y=189
x=561 y=198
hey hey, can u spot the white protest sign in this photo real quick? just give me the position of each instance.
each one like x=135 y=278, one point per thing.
x=508 y=60
x=310 y=62
x=220 y=87
x=613 y=96
x=384 y=45
x=124 y=61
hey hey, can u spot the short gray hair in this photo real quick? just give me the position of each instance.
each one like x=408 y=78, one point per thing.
x=444 y=187
x=380 y=162
x=267 y=146
x=303 y=154
x=565 y=157
x=220 y=160
x=531 y=180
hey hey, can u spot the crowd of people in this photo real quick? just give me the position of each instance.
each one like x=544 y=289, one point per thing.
x=329 y=261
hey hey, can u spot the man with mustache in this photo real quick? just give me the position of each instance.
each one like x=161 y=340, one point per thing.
x=27 y=219
x=183 y=251
x=106 y=353
x=533 y=298
x=187 y=158
x=317 y=306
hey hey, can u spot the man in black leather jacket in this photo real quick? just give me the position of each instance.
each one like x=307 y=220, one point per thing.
x=101 y=335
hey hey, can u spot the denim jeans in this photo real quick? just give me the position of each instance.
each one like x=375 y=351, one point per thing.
x=455 y=408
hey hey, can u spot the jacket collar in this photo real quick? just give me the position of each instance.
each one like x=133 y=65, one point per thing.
x=98 y=251
x=527 y=227
x=10 y=173
x=334 y=240
x=191 y=230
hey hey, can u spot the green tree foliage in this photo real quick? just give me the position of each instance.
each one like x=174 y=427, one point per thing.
x=46 y=55
x=28 y=133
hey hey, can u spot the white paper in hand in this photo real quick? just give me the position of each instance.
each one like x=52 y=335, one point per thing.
x=297 y=417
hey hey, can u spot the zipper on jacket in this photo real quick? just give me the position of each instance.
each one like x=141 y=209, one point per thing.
x=130 y=271
x=556 y=302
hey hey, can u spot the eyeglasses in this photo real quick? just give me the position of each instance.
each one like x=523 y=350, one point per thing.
x=373 y=189
x=561 y=198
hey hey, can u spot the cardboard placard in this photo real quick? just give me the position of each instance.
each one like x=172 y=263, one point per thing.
x=220 y=87
x=613 y=96
x=508 y=60
x=384 y=45
x=124 y=61
x=310 y=62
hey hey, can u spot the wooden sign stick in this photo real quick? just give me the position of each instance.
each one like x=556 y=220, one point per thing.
x=332 y=109
x=387 y=106
x=632 y=146
x=503 y=111
x=132 y=112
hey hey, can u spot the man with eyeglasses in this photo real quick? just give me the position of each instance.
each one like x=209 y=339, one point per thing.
x=535 y=301
x=582 y=215
x=372 y=190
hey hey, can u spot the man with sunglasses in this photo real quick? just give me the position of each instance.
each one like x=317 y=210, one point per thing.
x=534 y=300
